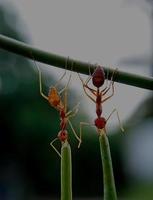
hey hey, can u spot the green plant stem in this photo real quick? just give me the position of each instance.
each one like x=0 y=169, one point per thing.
x=28 y=51
x=66 y=172
x=108 y=177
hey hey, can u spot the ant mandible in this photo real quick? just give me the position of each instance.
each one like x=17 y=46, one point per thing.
x=55 y=100
x=98 y=80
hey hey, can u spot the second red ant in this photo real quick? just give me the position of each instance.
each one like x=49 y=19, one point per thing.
x=99 y=97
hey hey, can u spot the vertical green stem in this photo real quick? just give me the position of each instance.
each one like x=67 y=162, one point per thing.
x=108 y=177
x=66 y=172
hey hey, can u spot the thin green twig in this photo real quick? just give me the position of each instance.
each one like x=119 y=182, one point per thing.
x=26 y=50
x=108 y=177
x=66 y=172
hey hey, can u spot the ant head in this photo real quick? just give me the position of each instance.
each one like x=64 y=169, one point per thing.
x=63 y=135
x=100 y=123
x=98 y=77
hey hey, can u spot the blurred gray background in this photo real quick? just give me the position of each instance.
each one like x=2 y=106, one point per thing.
x=112 y=33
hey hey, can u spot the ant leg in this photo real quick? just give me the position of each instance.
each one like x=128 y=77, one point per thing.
x=94 y=92
x=89 y=77
x=81 y=125
x=40 y=82
x=65 y=89
x=110 y=95
x=107 y=77
x=74 y=132
x=55 y=147
x=85 y=84
x=120 y=124
x=62 y=90
x=84 y=88
x=111 y=83
x=73 y=112
x=88 y=94
x=87 y=80
x=107 y=88
x=60 y=79
x=63 y=73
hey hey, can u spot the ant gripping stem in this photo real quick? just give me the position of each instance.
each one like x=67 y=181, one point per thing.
x=55 y=100
x=99 y=97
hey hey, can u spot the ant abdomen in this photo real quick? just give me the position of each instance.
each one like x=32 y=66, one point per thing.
x=98 y=77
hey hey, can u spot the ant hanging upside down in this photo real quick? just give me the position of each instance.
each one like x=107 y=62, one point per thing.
x=55 y=100
x=99 y=97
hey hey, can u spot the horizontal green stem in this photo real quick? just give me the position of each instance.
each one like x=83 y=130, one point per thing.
x=108 y=177
x=66 y=172
x=28 y=51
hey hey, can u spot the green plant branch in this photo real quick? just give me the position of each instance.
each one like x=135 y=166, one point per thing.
x=66 y=172
x=28 y=51
x=108 y=177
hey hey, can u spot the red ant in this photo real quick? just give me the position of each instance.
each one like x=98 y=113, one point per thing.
x=55 y=101
x=98 y=79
